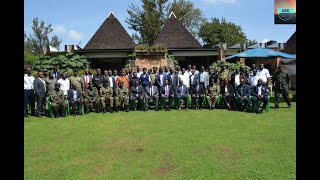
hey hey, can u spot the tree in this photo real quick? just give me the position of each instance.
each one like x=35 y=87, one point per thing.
x=40 y=38
x=217 y=31
x=186 y=13
x=147 y=21
x=251 y=42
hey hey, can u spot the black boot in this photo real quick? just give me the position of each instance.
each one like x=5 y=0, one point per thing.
x=127 y=108
x=157 y=109
x=111 y=109
x=104 y=110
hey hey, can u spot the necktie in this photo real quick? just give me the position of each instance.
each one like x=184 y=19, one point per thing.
x=197 y=88
x=151 y=91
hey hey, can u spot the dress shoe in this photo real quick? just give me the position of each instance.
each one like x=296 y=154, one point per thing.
x=146 y=109
x=157 y=109
x=290 y=106
x=276 y=107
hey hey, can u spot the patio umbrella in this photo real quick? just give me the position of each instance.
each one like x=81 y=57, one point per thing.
x=262 y=53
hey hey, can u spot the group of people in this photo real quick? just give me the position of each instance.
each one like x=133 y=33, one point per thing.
x=109 y=92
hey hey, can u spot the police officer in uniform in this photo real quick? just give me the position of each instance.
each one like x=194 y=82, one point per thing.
x=224 y=74
x=122 y=97
x=212 y=91
x=91 y=97
x=57 y=101
x=281 y=80
x=106 y=95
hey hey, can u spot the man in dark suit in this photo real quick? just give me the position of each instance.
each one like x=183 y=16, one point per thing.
x=75 y=99
x=242 y=92
x=193 y=77
x=197 y=94
x=260 y=92
x=182 y=93
x=98 y=79
x=151 y=93
x=167 y=93
x=40 y=92
x=136 y=93
x=55 y=72
x=173 y=80
x=134 y=78
x=161 y=77
x=227 y=93
x=145 y=78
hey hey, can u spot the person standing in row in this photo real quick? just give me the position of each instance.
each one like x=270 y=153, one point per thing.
x=40 y=92
x=28 y=92
x=85 y=80
x=64 y=83
x=281 y=83
x=76 y=80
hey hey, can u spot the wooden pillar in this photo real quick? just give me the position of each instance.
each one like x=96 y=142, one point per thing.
x=222 y=56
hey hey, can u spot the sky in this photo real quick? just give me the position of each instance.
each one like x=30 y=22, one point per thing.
x=75 y=21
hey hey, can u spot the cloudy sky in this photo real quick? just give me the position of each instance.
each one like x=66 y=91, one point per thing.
x=75 y=21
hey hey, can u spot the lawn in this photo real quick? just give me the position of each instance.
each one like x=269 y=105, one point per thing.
x=196 y=144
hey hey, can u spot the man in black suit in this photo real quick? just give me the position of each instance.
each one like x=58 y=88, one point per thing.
x=167 y=93
x=173 y=80
x=40 y=92
x=260 y=92
x=193 y=77
x=242 y=92
x=55 y=72
x=97 y=79
x=75 y=99
x=136 y=93
x=134 y=79
x=151 y=93
x=182 y=93
x=197 y=94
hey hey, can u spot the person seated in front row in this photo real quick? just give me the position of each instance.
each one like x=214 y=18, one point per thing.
x=91 y=98
x=57 y=101
x=197 y=94
x=260 y=92
x=106 y=95
x=151 y=93
x=122 y=97
x=212 y=92
x=136 y=93
x=182 y=93
x=75 y=99
x=227 y=93
x=167 y=94
x=242 y=92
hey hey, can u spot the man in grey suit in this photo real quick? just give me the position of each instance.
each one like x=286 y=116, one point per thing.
x=75 y=99
x=167 y=93
x=204 y=77
x=40 y=92
x=151 y=93
x=193 y=77
x=182 y=93
x=173 y=79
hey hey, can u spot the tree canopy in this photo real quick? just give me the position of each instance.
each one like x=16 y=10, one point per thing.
x=222 y=31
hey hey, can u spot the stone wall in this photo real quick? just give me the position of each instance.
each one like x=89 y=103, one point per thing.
x=148 y=61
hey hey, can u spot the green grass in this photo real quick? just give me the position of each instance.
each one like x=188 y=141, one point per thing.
x=163 y=145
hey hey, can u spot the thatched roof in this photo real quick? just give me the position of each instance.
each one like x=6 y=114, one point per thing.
x=290 y=46
x=110 y=35
x=175 y=36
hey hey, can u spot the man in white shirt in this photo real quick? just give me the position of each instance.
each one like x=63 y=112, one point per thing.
x=64 y=84
x=253 y=79
x=184 y=76
x=28 y=92
x=139 y=72
x=237 y=77
x=264 y=74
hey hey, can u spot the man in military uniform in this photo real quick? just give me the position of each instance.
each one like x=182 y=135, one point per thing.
x=122 y=97
x=212 y=92
x=50 y=81
x=57 y=101
x=281 y=80
x=224 y=74
x=136 y=93
x=76 y=80
x=91 y=97
x=106 y=95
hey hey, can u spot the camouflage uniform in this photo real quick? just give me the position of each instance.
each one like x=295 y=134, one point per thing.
x=50 y=83
x=224 y=75
x=122 y=92
x=281 y=80
x=106 y=96
x=92 y=95
x=213 y=92
x=58 y=96
x=76 y=81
